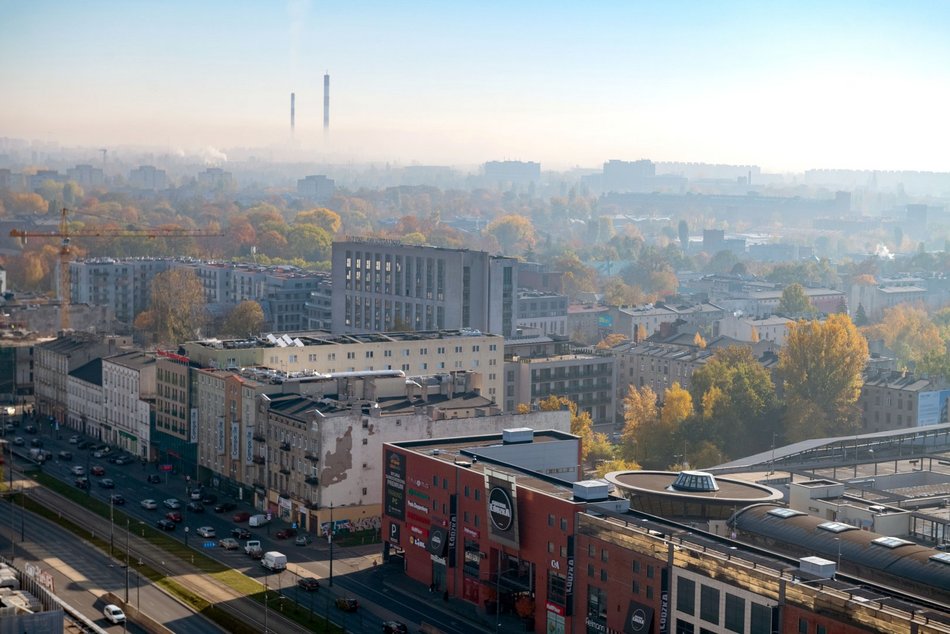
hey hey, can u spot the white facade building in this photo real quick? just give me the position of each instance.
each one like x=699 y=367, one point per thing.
x=128 y=396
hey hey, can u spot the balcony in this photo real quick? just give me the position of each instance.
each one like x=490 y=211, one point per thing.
x=285 y=446
x=312 y=480
x=258 y=459
x=259 y=437
x=312 y=457
x=285 y=470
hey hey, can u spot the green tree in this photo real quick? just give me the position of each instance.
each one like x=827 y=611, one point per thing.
x=247 y=318
x=860 y=317
x=794 y=301
x=177 y=310
x=309 y=242
x=581 y=423
x=736 y=400
x=821 y=366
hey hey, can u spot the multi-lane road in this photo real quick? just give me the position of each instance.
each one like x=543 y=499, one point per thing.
x=355 y=574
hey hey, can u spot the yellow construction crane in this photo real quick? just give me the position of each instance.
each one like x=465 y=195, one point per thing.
x=64 y=251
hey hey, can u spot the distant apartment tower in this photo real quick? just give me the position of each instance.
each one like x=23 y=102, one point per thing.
x=215 y=178
x=148 y=177
x=512 y=172
x=626 y=176
x=389 y=286
x=86 y=176
x=316 y=187
x=124 y=285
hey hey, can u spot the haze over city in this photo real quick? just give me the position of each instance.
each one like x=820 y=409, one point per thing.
x=787 y=86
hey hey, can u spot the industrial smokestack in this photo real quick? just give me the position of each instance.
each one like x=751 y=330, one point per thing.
x=326 y=103
x=292 y=113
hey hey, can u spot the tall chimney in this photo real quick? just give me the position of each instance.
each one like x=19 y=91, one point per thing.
x=292 y=113
x=326 y=103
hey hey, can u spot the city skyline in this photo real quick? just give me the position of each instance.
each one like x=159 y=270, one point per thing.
x=785 y=86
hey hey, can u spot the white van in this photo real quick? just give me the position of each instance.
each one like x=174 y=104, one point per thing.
x=274 y=560
x=257 y=520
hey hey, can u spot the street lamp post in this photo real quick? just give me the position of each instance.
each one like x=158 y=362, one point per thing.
x=128 y=561
x=111 y=523
x=330 y=540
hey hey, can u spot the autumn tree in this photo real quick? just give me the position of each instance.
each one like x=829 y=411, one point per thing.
x=324 y=218
x=514 y=233
x=177 y=311
x=611 y=340
x=648 y=436
x=821 y=366
x=794 y=301
x=619 y=293
x=581 y=423
x=247 y=318
x=909 y=332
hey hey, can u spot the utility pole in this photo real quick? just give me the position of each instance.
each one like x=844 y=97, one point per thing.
x=330 y=540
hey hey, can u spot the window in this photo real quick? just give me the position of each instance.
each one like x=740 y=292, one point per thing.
x=551 y=547
x=597 y=605
x=685 y=595
x=557 y=588
x=590 y=570
x=649 y=571
x=636 y=567
x=563 y=523
x=684 y=627
x=820 y=629
x=364 y=490
x=591 y=551
x=603 y=555
x=649 y=592
x=761 y=622
x=709 y=604
x=735 y=613
x=802 y=626
x=550 y=519
x=635 y=587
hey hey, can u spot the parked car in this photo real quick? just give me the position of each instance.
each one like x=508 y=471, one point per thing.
x=117 y=498
x=149 y=505
x=395 y=627
x=85 y=444
x=98 y=470
x=165 y=524
x=114 y=613
x=172 y=503
x=195 y=507
x=124 y=459
x=347 y=604
x=206 y=531
x=18 y=441
x=78 y=470
x=174 y=516
x=209 y=498
x=36 y=442
x=107 y=483
x=65 y=455
x=101 y=453
x=195 y=494
x=74 y=439
x=240 y=533
x=302 y=540
x=224 y=507
x=229 y=543
x=309 y=584
x=30 y=429
x=154 y=478
x=243 y=516
x=82 y=483
x=286 y=533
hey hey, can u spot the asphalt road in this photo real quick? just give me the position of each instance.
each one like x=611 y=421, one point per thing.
x=354 y=573
x=82 y=573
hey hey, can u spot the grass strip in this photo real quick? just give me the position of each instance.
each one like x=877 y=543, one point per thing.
x=234 y=579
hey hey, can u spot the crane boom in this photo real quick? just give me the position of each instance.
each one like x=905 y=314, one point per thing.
x=64 y=250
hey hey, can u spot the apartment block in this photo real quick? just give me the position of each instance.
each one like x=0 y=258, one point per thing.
x=128 y=399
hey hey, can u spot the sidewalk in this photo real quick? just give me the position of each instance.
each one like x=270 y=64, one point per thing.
x=463 y=614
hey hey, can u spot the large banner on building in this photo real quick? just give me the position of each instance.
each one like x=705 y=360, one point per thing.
x=502 y=509
x=395 y=485
x=932 y=408
x=639 y=619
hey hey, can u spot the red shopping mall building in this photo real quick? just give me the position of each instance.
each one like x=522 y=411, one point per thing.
x=490 y=519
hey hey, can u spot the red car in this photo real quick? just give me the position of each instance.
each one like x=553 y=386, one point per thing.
x=243 y=516
x=98 y=471
x=174 y=516
x=285 y=533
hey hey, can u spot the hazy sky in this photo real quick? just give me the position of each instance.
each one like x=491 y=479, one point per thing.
x=785 y=85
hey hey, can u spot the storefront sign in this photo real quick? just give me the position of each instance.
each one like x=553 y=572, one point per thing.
x=664 y=601
x=418 y=507
x=502 y=510
x=396 y=485
x=394 y=533
x=471 y=532
x=438 y=541
x=453 y=528
x=569 y=577
x=639 y=618
x=594 y=625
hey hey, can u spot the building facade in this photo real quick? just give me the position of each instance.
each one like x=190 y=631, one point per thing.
x=385 y=285
x=128 y=400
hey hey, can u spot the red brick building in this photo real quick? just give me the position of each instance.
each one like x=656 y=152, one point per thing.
x=490 y=519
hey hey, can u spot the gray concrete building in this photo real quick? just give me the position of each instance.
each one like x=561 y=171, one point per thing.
x=385 y=285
